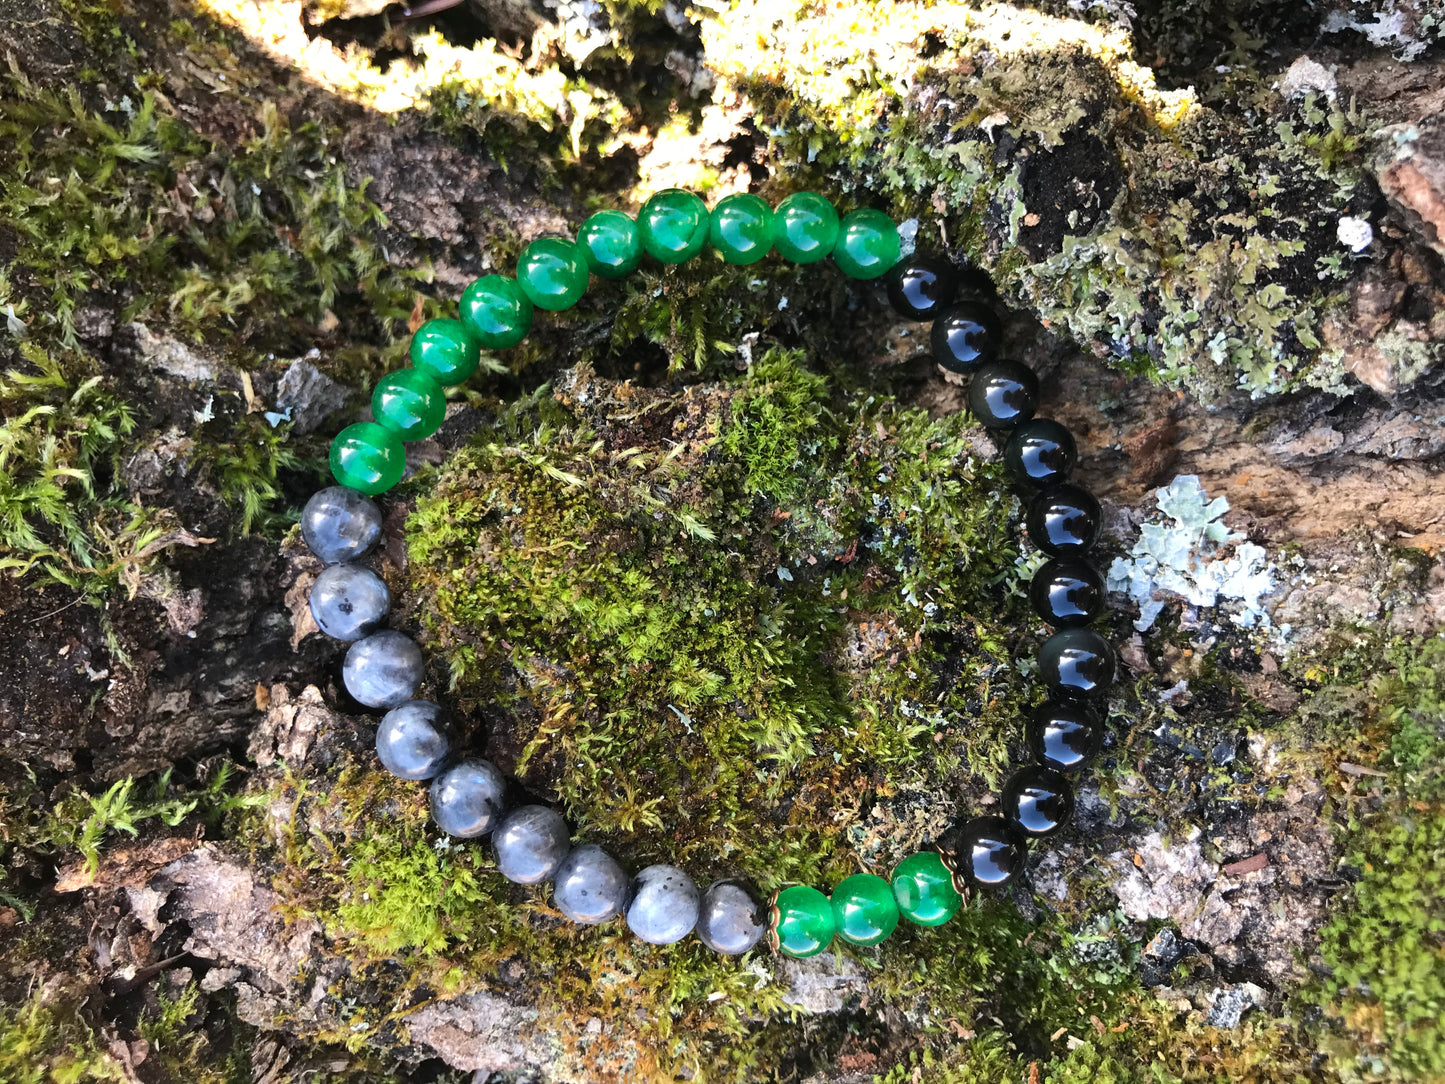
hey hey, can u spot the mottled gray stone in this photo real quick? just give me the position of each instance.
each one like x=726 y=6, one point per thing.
x=531 y=843
x=663 y=906
x=731 y=919
x=340 y=524
x=590 y=887
x=383 y=670
x=467 y=798
x=415 y=740
x=349 y=601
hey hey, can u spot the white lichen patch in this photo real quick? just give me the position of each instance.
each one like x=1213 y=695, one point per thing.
x=1190 y=553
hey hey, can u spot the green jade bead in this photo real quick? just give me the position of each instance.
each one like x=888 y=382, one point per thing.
x=674 y=225
x=496 y=312
x=802 y=923
x=552 y=273
x=923 y=889
x=368 y=458
x=805 y=228
x=409 y=403
x=867 y=245
x=741 y=228
x=864 y=909
x=611 y=243
x=445 y=351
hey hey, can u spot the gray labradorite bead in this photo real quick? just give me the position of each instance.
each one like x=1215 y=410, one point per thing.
x=467 y=798
x=663 y=907
x=349 y=601
x=730 y=919
x=383 y=670
x=531 y=843
x=340 y=524
x=415 y=741
x=590 y=887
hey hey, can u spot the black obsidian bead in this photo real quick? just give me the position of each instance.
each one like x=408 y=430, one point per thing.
x=1040 y=452
x=1076 y=662
x=987 y=851
x=966 y=337
x=920 y=287
x=1038 y=800
x=1004 y=394
x=1064 y=521
x=1067 y=592
x=1064 y=734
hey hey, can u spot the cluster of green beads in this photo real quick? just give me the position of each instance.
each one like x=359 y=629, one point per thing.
x=552 y=274
x=864 y=909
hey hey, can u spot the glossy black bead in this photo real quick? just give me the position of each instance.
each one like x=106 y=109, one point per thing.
x=1067 y=592
x=1038 y=800
x=1064 y=521
x=966 y=336
x=1077 y=662
x=1003 y=394
x=1041 y=452
x=988 y=851
x=1064 y=734
x=920 y=287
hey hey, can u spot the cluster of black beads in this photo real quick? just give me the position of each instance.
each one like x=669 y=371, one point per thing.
x=1063 y=520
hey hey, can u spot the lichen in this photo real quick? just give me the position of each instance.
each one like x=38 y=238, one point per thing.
x=1193 y=555
x=1110 y=208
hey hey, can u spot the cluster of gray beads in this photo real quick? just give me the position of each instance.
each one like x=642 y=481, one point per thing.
x=415 y=740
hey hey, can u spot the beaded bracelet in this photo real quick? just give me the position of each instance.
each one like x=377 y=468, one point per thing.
x=662 y=904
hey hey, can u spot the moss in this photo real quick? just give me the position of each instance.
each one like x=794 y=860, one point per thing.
x=41 y=1044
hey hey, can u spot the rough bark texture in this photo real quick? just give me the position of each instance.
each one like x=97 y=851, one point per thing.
x=218 y=225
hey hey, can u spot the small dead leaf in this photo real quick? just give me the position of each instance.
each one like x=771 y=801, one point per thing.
x=1253 y=864
x=253 y=404
x=263 y=697
x=1098 y=1024
x=328 y=323
x=416 y=319
x=128 y=866
x=1031 y=219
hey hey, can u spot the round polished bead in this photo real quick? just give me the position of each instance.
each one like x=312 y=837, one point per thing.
x=446 y=351
x=552 y=273
x=409 y=403
x=663 y=905
x=923 y=889
x=496 y=312
x=531 y=843
x=339 y=524
x=467 y=799
x=348 y=601
x=1003 y=394
x=674 y=225
x=966 y=337
x=589 y=886
x=988 y=851
x=1076 y=662
x=741 y=228
x=864 y=910
x=367 y=457
x=921 y=287
x=801 y=922
x=1064 y=735
x=415 y=740
x=730 y=918
x=1040 y=452
x=805 y=228
x=1064 y=521
x=1038 y=800
x=1067 y=592
x=867 y=245
x=611 y=243
x=383 y=670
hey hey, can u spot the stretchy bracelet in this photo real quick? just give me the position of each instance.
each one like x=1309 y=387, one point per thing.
x=661 y=904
